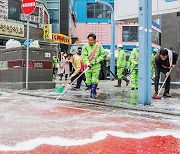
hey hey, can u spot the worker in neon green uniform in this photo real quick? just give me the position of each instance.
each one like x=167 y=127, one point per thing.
x=133 y=62
x=155 y=51
x=92 y=54
x=55 y=66
x=121 y=64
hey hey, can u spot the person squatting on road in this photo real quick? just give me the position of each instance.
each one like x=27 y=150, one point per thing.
x=164 y=61
x=77 y=63
x=133 y=65
x=83 y=67
x=92 y=54
x=121 y=64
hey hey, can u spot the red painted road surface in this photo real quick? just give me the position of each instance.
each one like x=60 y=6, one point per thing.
x=34 y=125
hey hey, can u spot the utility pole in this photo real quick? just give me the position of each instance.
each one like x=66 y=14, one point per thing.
x=145 y=47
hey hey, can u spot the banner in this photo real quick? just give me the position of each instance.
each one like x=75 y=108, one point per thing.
x=60 y=38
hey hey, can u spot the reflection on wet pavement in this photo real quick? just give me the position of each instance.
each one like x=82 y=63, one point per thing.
x=118 y=98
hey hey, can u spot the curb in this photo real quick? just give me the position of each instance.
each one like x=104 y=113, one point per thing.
x=104 y=104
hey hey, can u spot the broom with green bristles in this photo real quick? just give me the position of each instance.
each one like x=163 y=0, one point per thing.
x=62 y=89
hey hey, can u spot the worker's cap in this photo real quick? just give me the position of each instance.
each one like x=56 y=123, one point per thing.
x=119 y=45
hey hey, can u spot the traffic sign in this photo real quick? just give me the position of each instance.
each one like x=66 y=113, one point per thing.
x=28 y=6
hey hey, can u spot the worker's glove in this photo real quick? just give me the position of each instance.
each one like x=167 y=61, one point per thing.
x=71 y=77
x=136 y=59
x=167 y=74
x=89 y=66
x=172 y=66
x=153 y=78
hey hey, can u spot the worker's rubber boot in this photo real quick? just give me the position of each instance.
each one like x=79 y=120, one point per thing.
x=127 y=81
x=119 y=83
x=93 y=90
x=155 y=94
x=96 y=88
x=166 y=95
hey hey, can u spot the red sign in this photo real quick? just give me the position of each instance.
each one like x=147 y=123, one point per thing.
x=28 y=6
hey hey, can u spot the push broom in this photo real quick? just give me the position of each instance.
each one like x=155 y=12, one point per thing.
x=62 y=89
x=157 y=96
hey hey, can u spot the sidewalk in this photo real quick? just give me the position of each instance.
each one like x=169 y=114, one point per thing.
x=110 y=96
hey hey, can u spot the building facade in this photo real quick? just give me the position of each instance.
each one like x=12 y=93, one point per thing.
x=95 y=18
x=62 y=18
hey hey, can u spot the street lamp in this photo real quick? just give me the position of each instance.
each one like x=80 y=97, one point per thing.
x=112 y=55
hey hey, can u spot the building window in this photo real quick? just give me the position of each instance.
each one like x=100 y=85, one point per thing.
x=97 y=10
x=130 y=34
x=14 y=9
x=54 y=15
x=156 y=37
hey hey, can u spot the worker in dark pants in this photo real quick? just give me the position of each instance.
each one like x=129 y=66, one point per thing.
x=164 y=61
x=79 y=67
x=83 y=67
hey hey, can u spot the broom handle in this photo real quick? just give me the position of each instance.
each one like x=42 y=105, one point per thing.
x=132 y=70
x=164 y=81
x=72 y=82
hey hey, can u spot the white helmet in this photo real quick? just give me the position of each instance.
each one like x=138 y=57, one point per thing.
x=120 y=46
x=137 y=44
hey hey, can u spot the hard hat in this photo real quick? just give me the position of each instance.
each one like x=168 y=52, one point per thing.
x=120 y=46
x=137 y=44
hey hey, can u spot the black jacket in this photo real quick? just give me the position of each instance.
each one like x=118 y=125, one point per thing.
x=163 y=66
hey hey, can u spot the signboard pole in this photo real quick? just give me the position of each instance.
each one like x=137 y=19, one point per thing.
x=27 y=54
x=28 y=7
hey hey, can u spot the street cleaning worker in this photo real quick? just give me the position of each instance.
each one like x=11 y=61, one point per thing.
x=155 y=51
x=55 y=66
x=92 y=54
x=163 y=63
x=121 y=64
x=77 y=64
x=133 y=64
